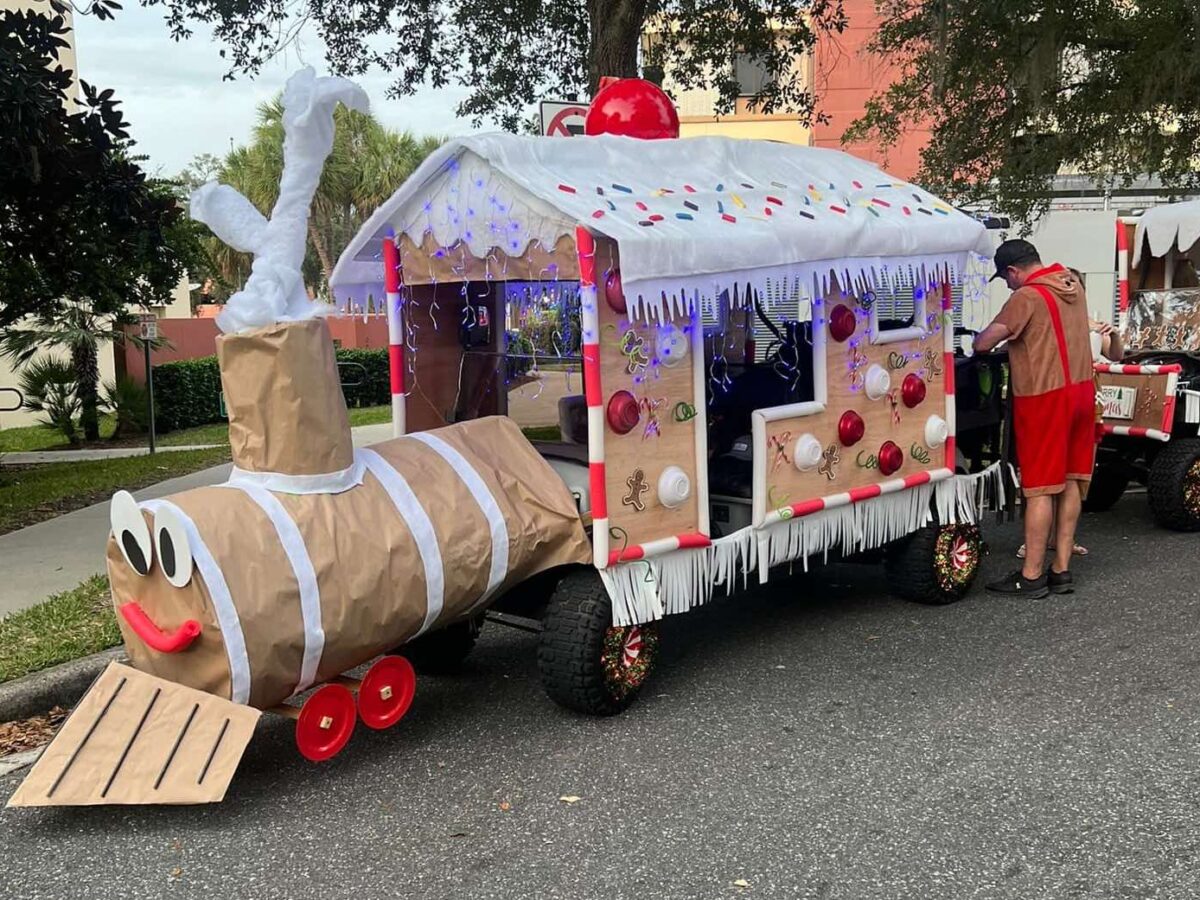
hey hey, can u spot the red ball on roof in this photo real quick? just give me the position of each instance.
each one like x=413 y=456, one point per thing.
x=912 y=391
x=891 y=458
x=851 y=428
x=632 y=107
x=842 y=322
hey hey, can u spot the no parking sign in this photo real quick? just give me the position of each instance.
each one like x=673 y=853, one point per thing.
x=562 y=118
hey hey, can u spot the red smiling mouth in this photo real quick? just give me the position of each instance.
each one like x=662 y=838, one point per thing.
x=154 y=637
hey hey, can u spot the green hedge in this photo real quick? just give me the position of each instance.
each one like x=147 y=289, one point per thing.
x=188 y=393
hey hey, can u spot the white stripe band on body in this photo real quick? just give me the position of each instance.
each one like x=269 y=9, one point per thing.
x=418 y=522
x=324 y=483
x=222 y=600
x=292 y=542
x=483 y=496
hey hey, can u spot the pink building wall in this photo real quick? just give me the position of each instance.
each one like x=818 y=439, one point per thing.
x=195 y=338
x=845 y=76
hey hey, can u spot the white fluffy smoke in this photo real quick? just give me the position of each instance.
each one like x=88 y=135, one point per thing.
x=275 y=290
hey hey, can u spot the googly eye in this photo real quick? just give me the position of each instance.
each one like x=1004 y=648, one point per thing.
x=172 y=546
x=129 y=528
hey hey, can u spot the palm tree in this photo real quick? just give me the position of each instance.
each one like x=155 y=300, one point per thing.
x=79 y=330
x=366 y=166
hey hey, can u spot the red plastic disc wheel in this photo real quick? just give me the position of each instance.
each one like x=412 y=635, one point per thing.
x=325 y=723
x=386 y=692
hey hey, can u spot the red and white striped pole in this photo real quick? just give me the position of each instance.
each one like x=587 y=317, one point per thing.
x=1122 y=272
x=948 y=375
x=391 y=282
x=589 y=316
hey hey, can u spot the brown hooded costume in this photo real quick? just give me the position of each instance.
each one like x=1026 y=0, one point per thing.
x=1052 y=380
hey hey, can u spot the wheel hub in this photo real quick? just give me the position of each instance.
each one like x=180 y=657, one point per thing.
x=1191 y=489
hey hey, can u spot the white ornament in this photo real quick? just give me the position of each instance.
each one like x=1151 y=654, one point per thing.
x=878 y=382
x=674 y=487
x=807 y=453
x=671 y=345
x=936 y=431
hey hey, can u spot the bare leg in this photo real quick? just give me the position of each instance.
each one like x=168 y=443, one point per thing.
x=1068 y=505
x=1039 y=517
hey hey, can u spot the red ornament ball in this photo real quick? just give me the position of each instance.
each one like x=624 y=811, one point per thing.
x=622 y=412
x=891 y=458
x=912 y=391
x=634 y=108
x=851 y=428
x=842 y=322
x=613 y=292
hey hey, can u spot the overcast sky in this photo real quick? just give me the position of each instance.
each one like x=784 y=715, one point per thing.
x=178 y=106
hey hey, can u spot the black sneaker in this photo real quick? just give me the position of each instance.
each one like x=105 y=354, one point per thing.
x=1060 y=582
x=1018 y=585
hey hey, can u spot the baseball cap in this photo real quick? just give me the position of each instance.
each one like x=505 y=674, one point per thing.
x=1014 y=253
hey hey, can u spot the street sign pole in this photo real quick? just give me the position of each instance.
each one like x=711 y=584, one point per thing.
x=149 y=330
x=150 y=394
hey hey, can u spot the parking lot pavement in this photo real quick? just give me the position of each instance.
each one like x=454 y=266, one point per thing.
x=810 y=740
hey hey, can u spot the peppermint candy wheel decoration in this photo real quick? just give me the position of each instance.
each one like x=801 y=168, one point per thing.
x=960 y=553
x=632 y=648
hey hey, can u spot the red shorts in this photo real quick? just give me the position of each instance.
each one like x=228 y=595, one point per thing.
x=1056 y=437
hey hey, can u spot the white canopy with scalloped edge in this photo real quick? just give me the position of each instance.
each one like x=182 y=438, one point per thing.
x=692 y=216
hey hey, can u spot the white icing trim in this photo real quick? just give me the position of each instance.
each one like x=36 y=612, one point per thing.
x=487 y=502
x=647 y=589
x=292 y=542
x=419 y=523
x=325 y=483
x=218 y=591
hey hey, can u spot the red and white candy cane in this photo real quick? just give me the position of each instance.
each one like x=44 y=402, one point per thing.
x=1127 y=369
x=589 y=316
x=1122 y=272
x=651 y=549
x=948 y=371
x=855 y=495
x=1154 y=434
x=391 y=283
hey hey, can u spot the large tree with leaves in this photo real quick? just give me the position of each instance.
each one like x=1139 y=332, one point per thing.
x=83 y=231
x=1020 y=90
x=510 y=53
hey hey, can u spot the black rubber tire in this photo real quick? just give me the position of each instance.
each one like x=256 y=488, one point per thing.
x=575 y=626
x=1165 y=487
x=1106 y=489
x=443 y=652
x=912 y=571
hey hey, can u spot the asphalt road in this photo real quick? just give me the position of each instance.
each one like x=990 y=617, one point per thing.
x=813 y=740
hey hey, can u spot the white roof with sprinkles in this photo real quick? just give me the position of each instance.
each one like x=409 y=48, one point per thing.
x=691 y=216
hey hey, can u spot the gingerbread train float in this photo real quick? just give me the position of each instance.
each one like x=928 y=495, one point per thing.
x=312 y=559
x=688 y=461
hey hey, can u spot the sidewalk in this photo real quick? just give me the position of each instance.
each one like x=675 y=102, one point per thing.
x=56 y=555
x=30 y=457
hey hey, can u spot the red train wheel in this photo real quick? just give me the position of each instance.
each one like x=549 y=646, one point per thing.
x=386 y=692
x=325 y=723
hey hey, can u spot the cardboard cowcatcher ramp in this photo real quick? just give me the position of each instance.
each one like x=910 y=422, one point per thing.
x=135 y=738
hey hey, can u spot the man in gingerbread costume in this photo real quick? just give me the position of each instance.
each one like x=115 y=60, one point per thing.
x=1045 y=323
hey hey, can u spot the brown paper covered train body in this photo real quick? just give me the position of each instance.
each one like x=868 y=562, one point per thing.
x=685 y=459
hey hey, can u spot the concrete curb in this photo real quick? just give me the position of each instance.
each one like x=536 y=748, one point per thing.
x=60 y=685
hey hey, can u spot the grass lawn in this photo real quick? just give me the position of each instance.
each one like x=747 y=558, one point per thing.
x=65 y=627
x=30 y=494
x=39 y=437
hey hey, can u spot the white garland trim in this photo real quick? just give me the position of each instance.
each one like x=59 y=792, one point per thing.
x=648 y=589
